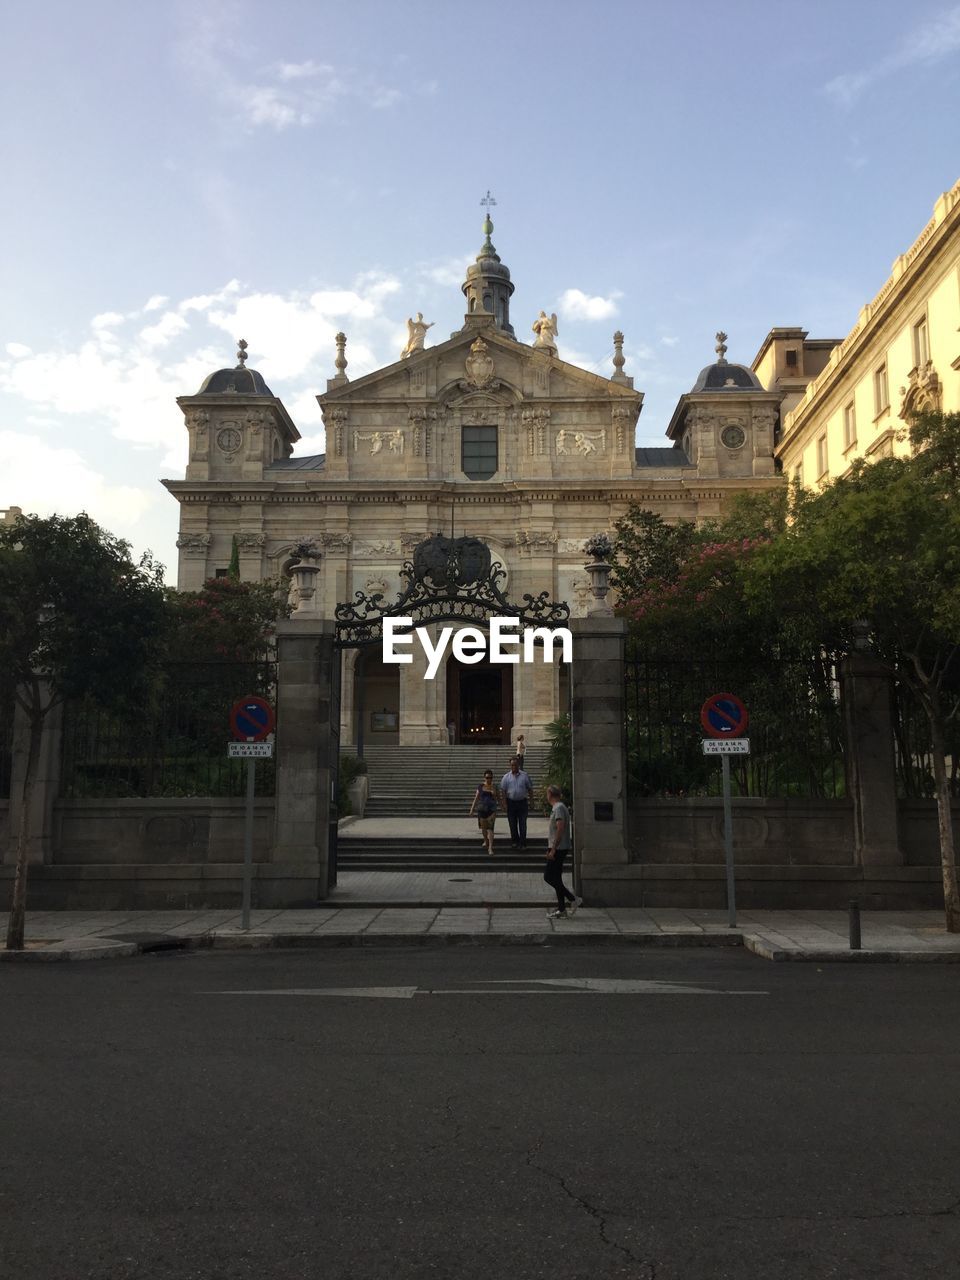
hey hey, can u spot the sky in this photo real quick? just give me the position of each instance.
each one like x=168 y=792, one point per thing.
x=182 y=175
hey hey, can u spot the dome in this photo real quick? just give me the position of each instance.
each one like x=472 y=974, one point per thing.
x=727 y=377
x=239 y=380
x=243 y=381
x=723 y=376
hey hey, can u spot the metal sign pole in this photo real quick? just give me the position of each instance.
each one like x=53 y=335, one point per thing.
x=248 y=841
x=728 y=842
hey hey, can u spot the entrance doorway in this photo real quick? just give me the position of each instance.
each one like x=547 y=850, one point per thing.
x=479 y=701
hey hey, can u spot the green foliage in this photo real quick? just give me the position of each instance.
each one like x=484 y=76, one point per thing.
x=225 y=620
x=351 y=768
x=76 y=608
x=558 y=766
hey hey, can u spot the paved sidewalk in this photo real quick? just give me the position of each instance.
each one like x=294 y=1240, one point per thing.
x=773 y=935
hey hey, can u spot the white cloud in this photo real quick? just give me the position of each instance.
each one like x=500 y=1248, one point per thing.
x=166 y=328
x=41 y=478
x=450 y=273
x=574 y=304
x=156 y=302
x=284 y=95
x=669 y=341
x=107 y=320
x=925 y=46
x=17 y=350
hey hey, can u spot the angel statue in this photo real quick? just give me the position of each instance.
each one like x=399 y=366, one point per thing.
x=545 y=327
x=416 y=332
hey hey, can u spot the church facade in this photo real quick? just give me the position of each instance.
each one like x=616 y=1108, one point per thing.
x=481 y=435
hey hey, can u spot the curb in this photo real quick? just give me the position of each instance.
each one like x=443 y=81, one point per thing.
x=92 y=950
x=767 y=952
x=151 y=944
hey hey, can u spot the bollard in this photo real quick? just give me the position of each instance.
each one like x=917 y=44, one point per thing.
x=854 y=926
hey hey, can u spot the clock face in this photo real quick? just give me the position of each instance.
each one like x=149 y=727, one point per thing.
x=228 y=439
x=733 y=437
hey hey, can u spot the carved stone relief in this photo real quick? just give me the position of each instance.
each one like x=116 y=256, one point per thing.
x=422 y=421
x=335 y=421
x=479 y=365
x=194 y=544
x=251 y=541
x=380 y=442
x=535 y=541
x=376 y=549
x=535 y=421
x=197 y=423
x=336 y=541
x=922 y=392
x=584 y=443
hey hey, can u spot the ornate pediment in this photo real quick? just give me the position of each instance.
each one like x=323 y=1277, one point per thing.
x=923 y=392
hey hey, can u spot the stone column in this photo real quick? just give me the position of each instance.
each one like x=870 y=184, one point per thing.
x=598 y=721
x=308 y=731
x=46 y=787
x=871 y=768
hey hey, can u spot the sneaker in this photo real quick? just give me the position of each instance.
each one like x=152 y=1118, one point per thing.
x=572 y=906
x=556 y=915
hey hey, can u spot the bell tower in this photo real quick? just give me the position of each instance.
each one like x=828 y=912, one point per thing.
x=488 y=287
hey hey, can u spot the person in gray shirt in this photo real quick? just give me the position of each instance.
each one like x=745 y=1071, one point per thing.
x=516 y=790
x=559 y=845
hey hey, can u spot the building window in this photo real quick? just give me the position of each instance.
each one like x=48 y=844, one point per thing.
x=881 y=389
x=791 y=358
x=821 y=455
x=221 y=573
x=921 y=343
x=849 y=425
x=479 y=452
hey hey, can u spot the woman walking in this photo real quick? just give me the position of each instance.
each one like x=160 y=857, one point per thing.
x=485 y=805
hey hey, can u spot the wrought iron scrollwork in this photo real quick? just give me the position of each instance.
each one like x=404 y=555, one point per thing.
x=448 y=580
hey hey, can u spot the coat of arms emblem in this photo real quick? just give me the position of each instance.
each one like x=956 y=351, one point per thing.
x=479 y=364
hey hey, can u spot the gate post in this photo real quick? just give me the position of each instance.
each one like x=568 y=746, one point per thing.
x=308 y=740
x=871 y=768
x=599 y=737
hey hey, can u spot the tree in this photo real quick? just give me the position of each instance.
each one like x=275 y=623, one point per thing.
x=77 y=617
x=880 y=548
x=225 y=620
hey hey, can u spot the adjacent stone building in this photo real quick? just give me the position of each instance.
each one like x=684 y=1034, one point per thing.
x=480 y=435
x=849 y=399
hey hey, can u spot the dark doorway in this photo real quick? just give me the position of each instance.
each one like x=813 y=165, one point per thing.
x=479 y=701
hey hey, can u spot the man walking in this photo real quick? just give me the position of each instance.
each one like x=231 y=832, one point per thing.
x=559 y=845
x=516 y=789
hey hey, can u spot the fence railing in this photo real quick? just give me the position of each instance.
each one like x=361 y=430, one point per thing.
x=796 y=727
x=914 y=748
x=175 y=747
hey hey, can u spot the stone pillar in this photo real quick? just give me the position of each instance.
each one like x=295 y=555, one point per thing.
x=871 y=768
x=46 y=787
x=308 y=734
x=598 y=723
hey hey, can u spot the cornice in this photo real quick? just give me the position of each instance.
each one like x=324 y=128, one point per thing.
x=908 y=270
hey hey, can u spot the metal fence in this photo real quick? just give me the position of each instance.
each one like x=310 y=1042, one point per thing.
x=914 y=747
x=796 y=727
x=177 y=746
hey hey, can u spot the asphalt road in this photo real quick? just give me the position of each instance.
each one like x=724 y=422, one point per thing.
x=741 y=1119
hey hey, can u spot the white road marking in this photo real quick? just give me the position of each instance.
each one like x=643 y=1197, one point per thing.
x=377 y=993
x=512 y=987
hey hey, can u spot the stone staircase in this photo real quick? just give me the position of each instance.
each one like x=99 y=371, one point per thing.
x=436 y=782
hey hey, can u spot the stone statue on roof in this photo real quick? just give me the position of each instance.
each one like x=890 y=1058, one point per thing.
x=416 y=332
x=545 y=327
